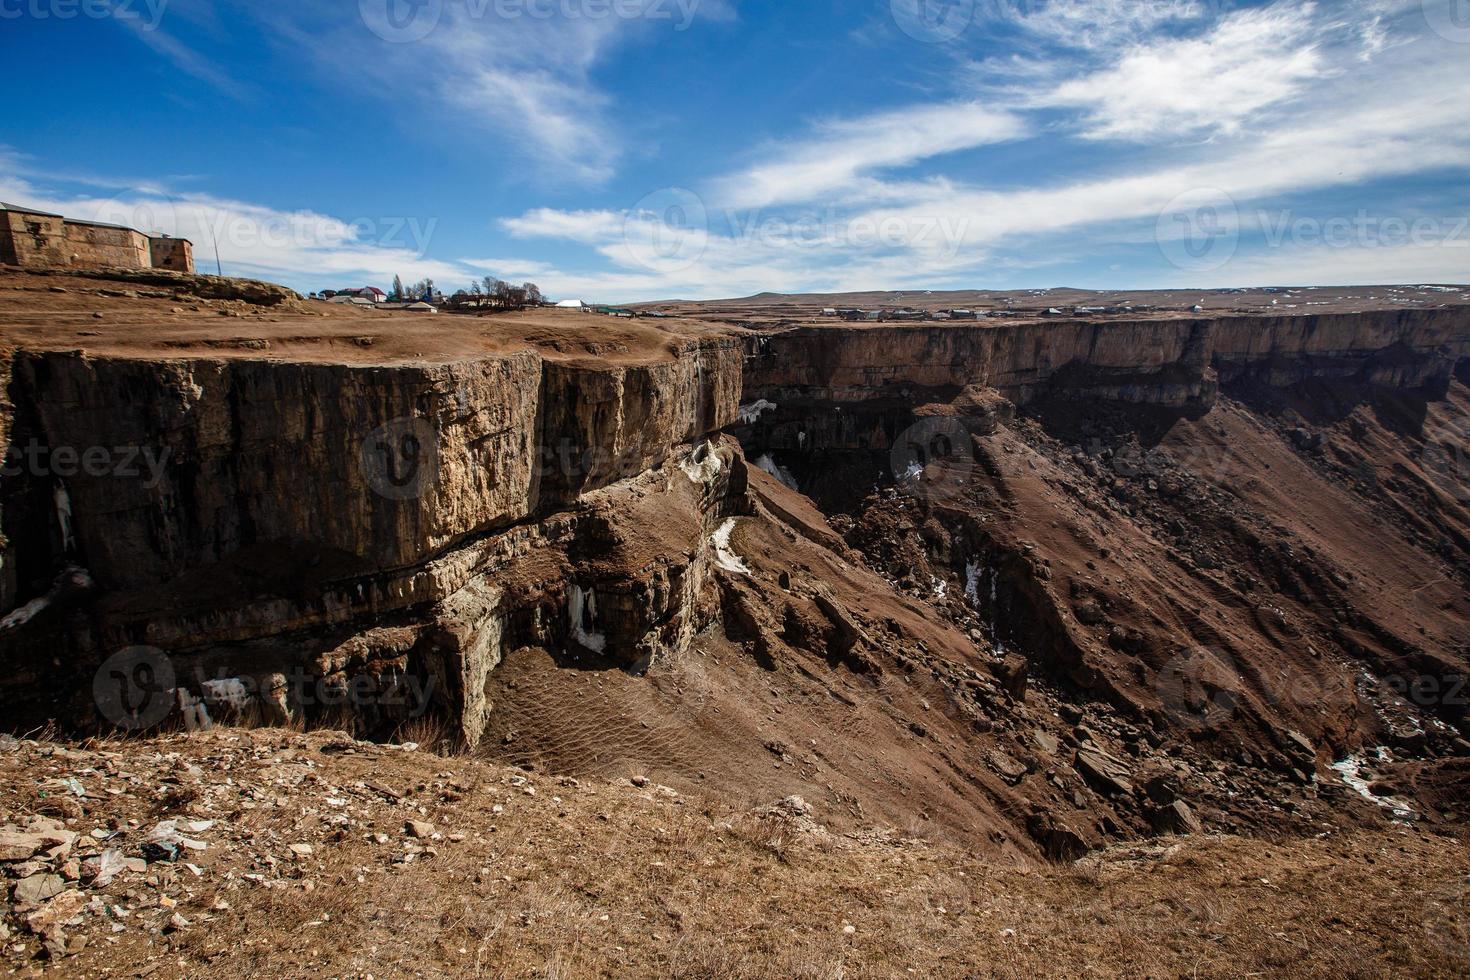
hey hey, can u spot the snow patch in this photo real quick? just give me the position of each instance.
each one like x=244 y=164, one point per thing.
x=724 y=557
x=702 y=465
x=229 y=690
x=973 y=571
x=1356 y=771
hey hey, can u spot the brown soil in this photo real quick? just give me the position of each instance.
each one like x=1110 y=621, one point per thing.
x=529 y=874
x=132 y=320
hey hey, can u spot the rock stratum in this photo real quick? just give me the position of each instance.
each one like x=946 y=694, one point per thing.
x=1036 y=582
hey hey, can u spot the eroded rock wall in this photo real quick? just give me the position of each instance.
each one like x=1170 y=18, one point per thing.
x=255 y=517
x=1167 y=362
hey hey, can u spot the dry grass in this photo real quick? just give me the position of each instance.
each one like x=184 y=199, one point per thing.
x=611 y=880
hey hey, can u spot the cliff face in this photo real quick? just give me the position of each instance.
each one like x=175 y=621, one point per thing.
x=374 y=466
x=352 y=522
x=236 y=506
x=1168 y=362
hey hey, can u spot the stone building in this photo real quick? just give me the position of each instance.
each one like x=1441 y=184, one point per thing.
x=39 y=239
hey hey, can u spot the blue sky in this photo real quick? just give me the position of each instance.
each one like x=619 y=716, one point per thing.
x=622 y=150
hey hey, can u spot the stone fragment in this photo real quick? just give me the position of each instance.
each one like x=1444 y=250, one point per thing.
x=37 y=888
x=1104 y=771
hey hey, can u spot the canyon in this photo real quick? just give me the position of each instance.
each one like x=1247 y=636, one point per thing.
x=1036 y=583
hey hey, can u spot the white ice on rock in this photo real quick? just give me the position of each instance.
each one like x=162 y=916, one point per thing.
x=751 y=414
x=724 y=557
x=582 y=612
x=781 y=473
x=973 y=571
x=63 y=518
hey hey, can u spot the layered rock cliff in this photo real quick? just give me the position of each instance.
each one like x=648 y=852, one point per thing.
x=1169 y=361
x=304 y=526
x=261 y=516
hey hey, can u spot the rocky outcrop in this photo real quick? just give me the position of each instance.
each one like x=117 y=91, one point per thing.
x=258 y=519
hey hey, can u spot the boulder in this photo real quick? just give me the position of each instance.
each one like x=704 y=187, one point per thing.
x=1104 y=771
x=1176 y=818
x=1012 y=674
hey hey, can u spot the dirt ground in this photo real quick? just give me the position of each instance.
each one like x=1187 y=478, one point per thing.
x=105 y=317
x=301 y=860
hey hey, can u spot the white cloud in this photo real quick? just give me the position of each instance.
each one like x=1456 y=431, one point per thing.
x=1093 y=24
x=587 y=227
x=1328 y=266
x=1406 y=113
x=1170 y=88
x=840 y=152
x=183 y=57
